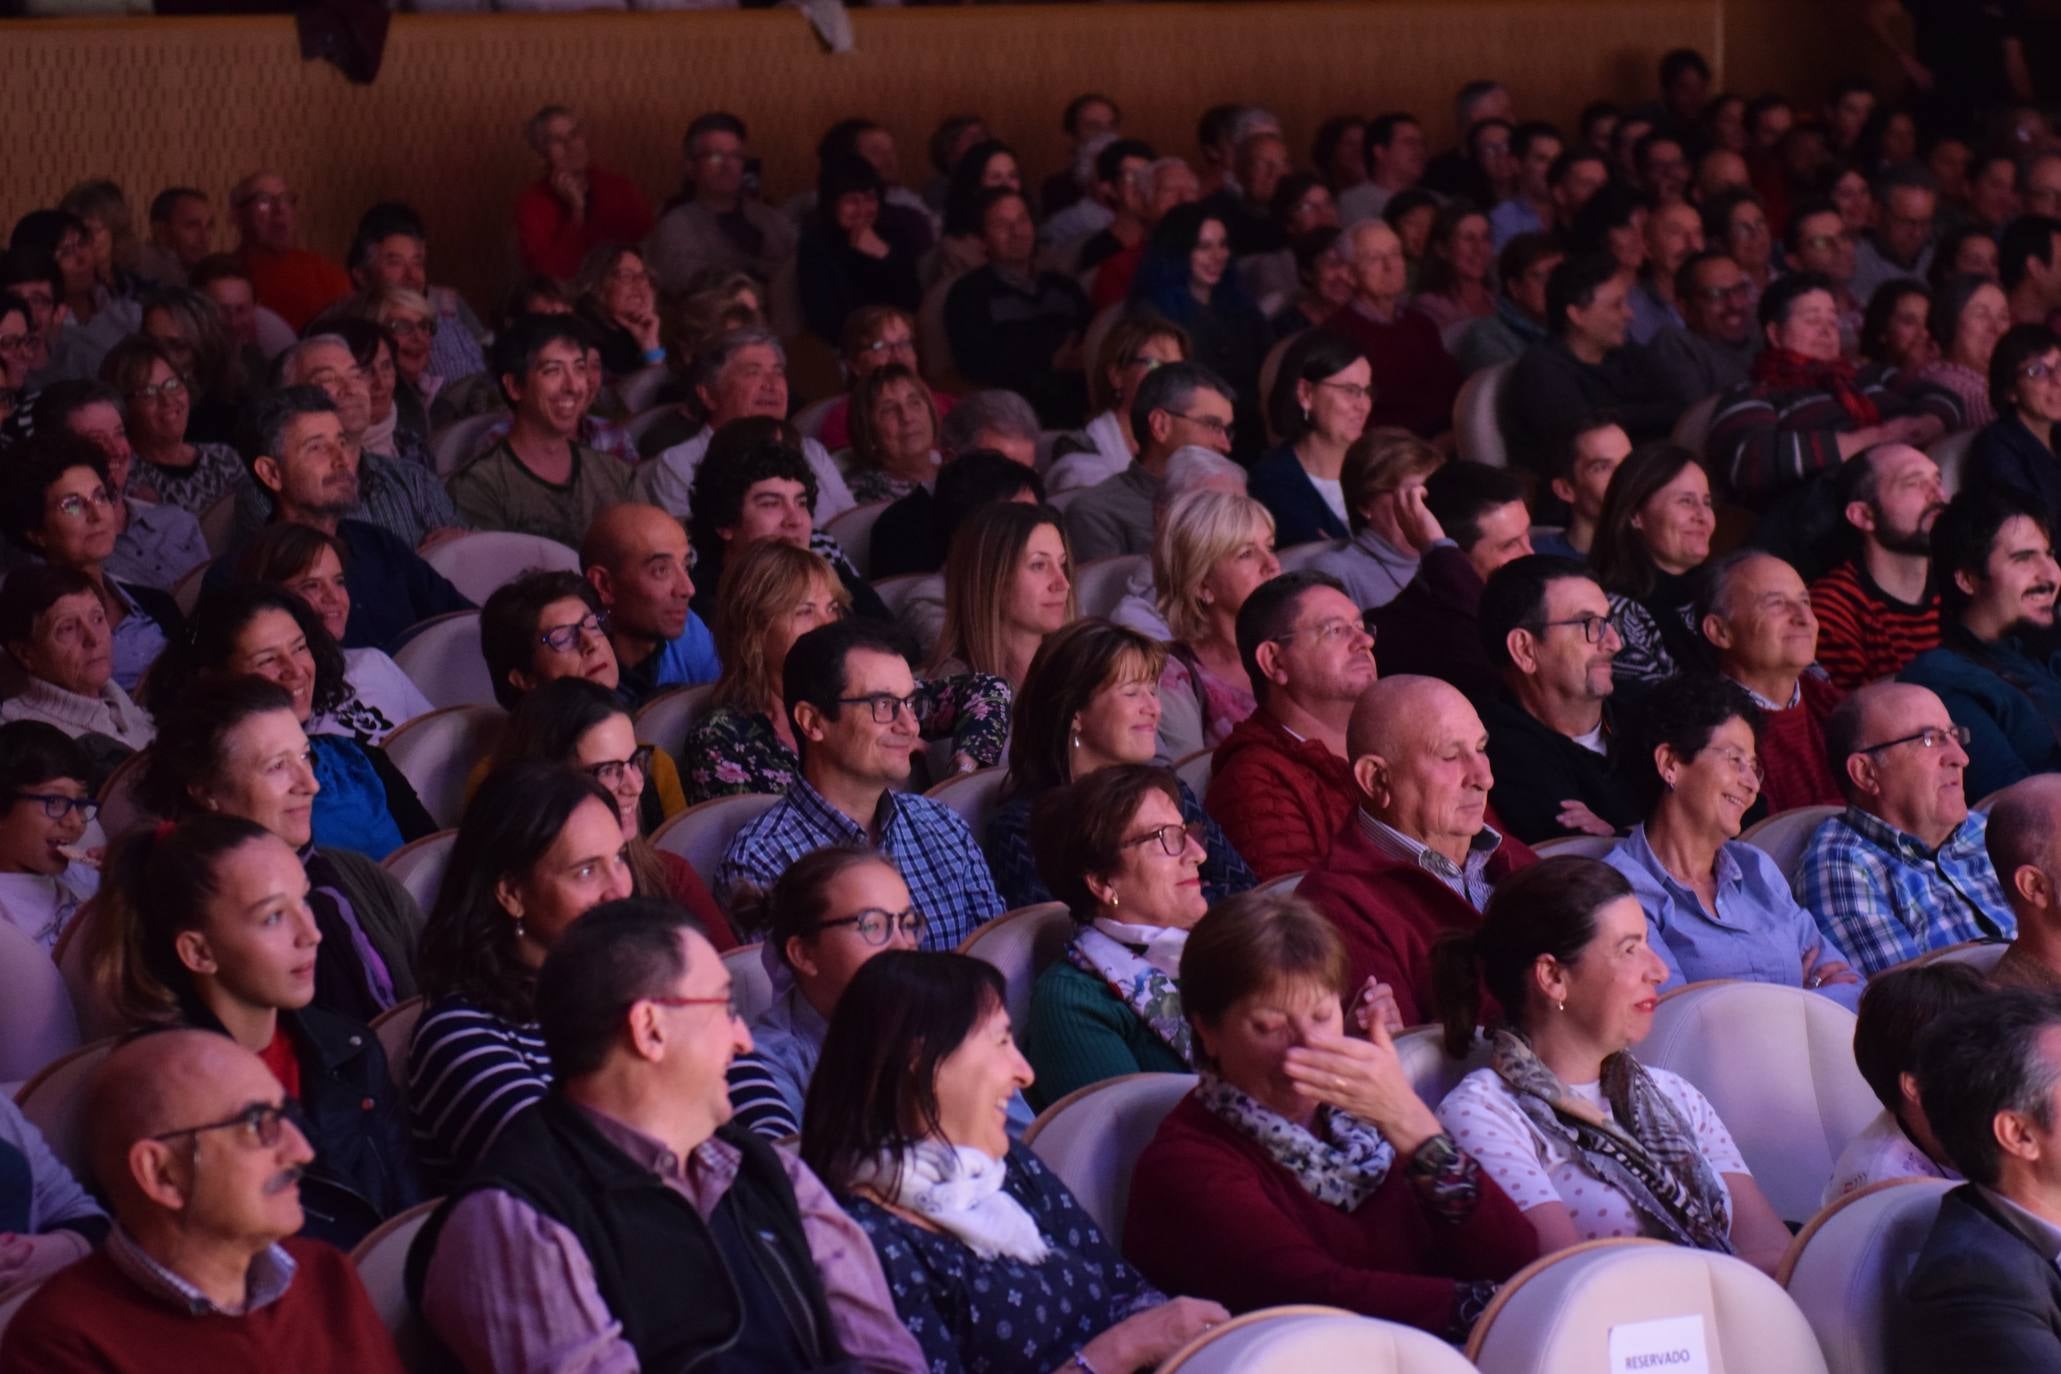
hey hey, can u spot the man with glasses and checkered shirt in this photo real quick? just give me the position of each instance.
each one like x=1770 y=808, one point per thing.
x=852 y=701
x=1905 y=868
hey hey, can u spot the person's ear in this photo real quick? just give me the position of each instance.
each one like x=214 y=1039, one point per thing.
x=1563 y=490
x=2029 y=881
x=523 y=683
x=1268 y=657
x=1772 y=333
x=156 y=1170
x=1907 y=1090
x=809 y=721
x=200 y=796
x=603 y=583
x=1161 y=423
x=798 y=957
x=1860 y=771
x=1966 y=581
x=271 y=474
x=1861 y=516
x=727 y=533
x=1370 y=773
x=2016 y=1135
x=647 y=1031
x=509 y=895
x=1101 y=889
x=512 y=387
x=192 y=950
x=706 y=396
x=1666 y=763
x=1717 y=630
x=1549 y=976
x=1523 y=650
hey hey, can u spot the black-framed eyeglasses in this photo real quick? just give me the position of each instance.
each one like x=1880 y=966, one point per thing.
x=1594 y=627
x=57 y=806
x=2040 y=370
x=263 y=1123
x=563 y=638
x=1173 y=839
x=1208 y=422
x=1931 y=737
x=884 y=704
x=609 y=772
x=877 y=927
x=728 y=1003
x=1329 y=630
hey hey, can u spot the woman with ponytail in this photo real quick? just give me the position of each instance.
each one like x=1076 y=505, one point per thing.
x=205 y=923
x=1585 y=1139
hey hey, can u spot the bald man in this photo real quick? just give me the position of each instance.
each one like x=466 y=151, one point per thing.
x=1419 y=856
x=203 y=1270
x=635 y=557
x=1415 y=378
x=2024 y=841
x=1904 y=868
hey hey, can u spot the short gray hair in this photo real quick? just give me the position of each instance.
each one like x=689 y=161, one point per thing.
x=1715 y=585
x=1149 y=178
x=719 y=351
x=1254 y=119
x=287 y=370
x=1189 y=467
x=1002 y=412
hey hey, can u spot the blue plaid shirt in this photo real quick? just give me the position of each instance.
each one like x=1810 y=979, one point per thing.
x=940 y=861
x=1886 y=898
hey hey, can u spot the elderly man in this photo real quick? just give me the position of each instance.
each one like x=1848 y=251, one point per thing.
x=1561 y=766
x=1116 y=206
x=1282 y=781
x=291 y=281
x=1417 y=378
x=1417 y=856
x=1900 y=245
x=390 y=250
x=1523 y=267
x=1903 y=869
x=1536 y=146
x=853 y=703
x=575 y=206
x=629 y=1186
x=1984 y=1292
x=2024 y=840
x=1396 y=156
x=716 y=226
x=1176 y=405
x=742 y=373
x=636 y=558
x=1674 y=234
x=1712 y=350
x=1013 y=326
x=1756 y=615
x=1583 y=367
x=1878 y=609
x=539 y=479
x=194 y=1146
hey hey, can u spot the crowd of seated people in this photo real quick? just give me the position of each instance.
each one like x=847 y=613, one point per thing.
x=1374 y=597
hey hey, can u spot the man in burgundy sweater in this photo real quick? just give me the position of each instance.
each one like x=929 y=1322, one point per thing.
x=202 y=1270
x=1420 y=853
x=1415 y=379
x=1756 y=613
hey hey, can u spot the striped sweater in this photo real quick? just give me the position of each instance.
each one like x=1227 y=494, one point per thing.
x=1863 y=632
x=1764 y=440
x=469 y=1074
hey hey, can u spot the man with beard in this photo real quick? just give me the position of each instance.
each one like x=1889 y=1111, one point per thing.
x=1712 y=350
x=1878 y=610
x=1993 y=550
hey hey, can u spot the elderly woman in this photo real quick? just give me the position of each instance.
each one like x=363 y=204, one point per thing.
x=1134 y=345
x=209 y=924
x=1322 y=396
x=2018 y=448
x=843 y=261
x=156 y=409
x=1324 y=282
x=1969 y=314
x=1588 y=1142
x=874 y=336
x=771 y=595
x=1383 y=480
x=1212 y=549
x=1091 y=702
x=54 y=630
x=1117 y=850
x=1008 y=584
x=1652 y=536
x=1454 y=284
x=373 y=349
x=619 y=298
x=410 y=320
x=1717 y=908
x=993 y=1263
x=894 y=435
x=540 y=846
x=1894 y=331
x=1304 y=1168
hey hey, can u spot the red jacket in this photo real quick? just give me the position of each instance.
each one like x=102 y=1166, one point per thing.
x=1279 y=799
x=554 y=244
x=1213 y=1216
x=1392 y=912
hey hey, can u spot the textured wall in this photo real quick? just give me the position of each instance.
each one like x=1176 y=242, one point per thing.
x=204 y=100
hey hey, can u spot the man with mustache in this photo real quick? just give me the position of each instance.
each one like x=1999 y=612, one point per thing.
x=1993 y=552
x=1878 y=610
x=191 y=1144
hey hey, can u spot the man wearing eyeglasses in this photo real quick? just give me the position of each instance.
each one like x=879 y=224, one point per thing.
x=1905 y=868
x=391 y=249
x=1901 y=243
x=1713 y=349
x=1177 y=404
x=291 y=281
x=856 y=713
x=192 y=1143
x=1818 y=241
x=625 y=1218
x=717 y=223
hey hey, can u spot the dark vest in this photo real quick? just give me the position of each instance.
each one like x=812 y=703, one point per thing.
x=691 y=1294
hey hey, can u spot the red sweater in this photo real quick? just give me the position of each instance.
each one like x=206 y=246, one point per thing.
x=1415 y=379
x=295 y=285
x=91 y=1319
x=553 y=243
x=1280 y=800
x=1392 y=912
x=1792 y=749
x=1864 y=633
x=1212 y=1216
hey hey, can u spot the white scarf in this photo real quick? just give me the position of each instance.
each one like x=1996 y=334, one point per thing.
x=1162 y=944
x=958 y=1189
x=379 y=435
x=1106 y=433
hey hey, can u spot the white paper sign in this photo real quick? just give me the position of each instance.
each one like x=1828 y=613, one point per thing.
x=1669 y=1345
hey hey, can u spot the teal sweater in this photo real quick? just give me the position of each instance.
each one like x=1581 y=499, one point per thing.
x=1080 y=1033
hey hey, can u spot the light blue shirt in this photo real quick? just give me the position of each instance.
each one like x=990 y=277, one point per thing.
x=1514 y=217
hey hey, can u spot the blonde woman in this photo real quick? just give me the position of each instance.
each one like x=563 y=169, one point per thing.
x=772 y=594
x=1008 y=584
x=1211 y=550
x=412 y=321
x=1134 y=346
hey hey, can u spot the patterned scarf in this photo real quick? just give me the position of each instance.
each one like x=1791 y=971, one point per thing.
x=959 y=1190
x=1144 y=989
x=1779 y=367
x=1648 y=1153
x=1339 y=1162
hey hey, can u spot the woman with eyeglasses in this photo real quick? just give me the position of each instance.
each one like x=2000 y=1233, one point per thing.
x=828 y=914
x=1322 y=397
x=1716 y=908
x=45 y=807
x=1969 y=315
x=583 y=725
x=411 y=321
x=157 y=409
x=189 y=326
x=1133 y=347
x=1117 y=850
x=894 y=427
x=207 y=924
x=2018 y=449
x=619 y=297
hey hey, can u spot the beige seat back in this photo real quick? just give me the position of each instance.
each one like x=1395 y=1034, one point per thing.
x=666 y=718
x=1092 y=1137
x=1849 y=1266
x=751 y=984
x=1784 y=835
x=1433 y=1072
x=1301 y=1340
x=442 y=657
x=702 y=832
x=382 y=1262
x=1100 y=583
x=1478 y=416
x=419 y=865
x=436 y=753
x=479 y=562
x=1022 y=944
x=54 y=1101
x=394 y=1028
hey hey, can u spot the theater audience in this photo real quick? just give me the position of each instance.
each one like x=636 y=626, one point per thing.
x=1535 y=146
x=1008 y=585
x=1756 y=615
x=1674 y=234
x=1968 y=316
x=1384 y=481
x=1878 y=609
x=192 y=1138
x=1133 y=347
x=2024 y=820
x=390 y=251
x=1561 y=762
x=874 y=336
x=636 y=558
x=1307 y=1145
x=1186 y=277
x=189 y=328
x=1903 y=869
x=1011 y=325
x=1396 y=157
x=1736 y=222
x=1418 y=377
x=292 y=282
x=2017 y=449
x=714 y=222
x=575 y=206
x=913 y=534
x=1281 y=784
x=1319 y=406
x=1518 y=322
x=1323 y=282
x=1453 y=287
x=2026 y=268
x=1894 y=1012
x=45 y=877
x=1712 y=350
x=53 y=626
x=1583 y=367
x=1175 y=405
x=1192 y=468
x=1653 y=536
x=1588 y=1142
x=157 y=544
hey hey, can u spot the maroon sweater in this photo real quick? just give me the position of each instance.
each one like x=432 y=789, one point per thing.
x=1392 y=912
x=1791 y=745
x=1415 y=379
x=91 y=1319
x=1280 y=800
x=1212 y=1216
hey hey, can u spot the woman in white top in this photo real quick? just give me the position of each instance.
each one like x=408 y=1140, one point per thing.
x=1134 y=346
x=379 y=697
x=1895 y=1010
x=1588 y=1142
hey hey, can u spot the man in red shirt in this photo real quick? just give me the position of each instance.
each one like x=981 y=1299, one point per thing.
x=290 y=281
x=575 y=205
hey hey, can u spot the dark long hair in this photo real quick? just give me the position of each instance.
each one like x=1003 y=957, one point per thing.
x=1620 y=557
x=1072 y=664
x=207 y=642
x=1163 y=273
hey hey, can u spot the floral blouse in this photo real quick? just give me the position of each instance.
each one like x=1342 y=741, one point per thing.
x=217 y=471
x=732 y=750
x=1001 y=1316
